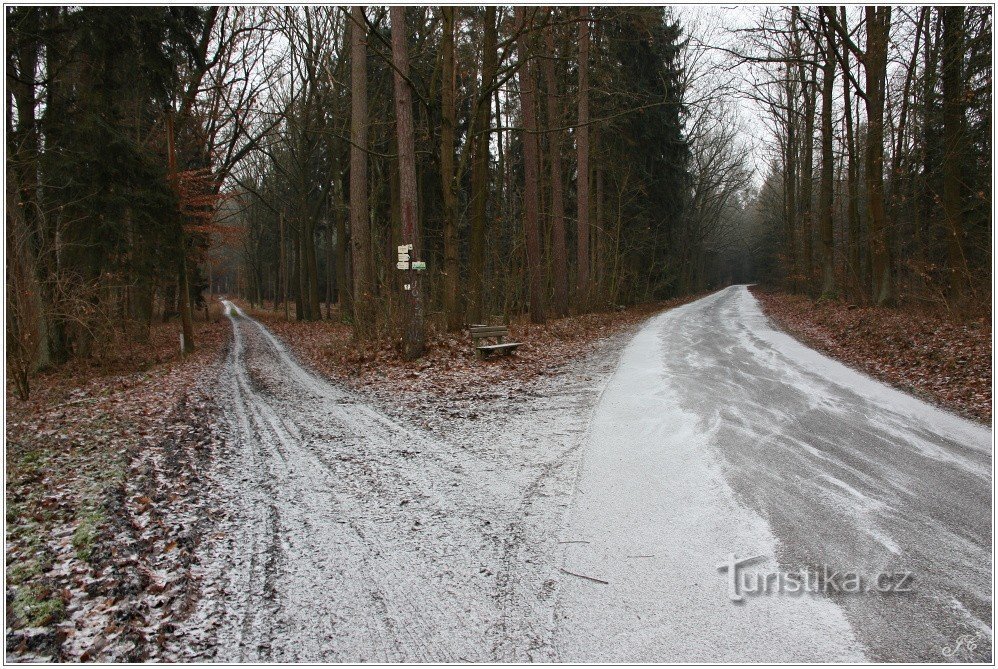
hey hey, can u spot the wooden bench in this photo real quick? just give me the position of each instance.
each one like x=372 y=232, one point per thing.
x=496 y=332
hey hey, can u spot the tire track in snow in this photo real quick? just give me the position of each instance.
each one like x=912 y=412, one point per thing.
x=353 y=537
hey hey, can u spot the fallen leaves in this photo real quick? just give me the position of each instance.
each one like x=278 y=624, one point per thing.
x=943 y=360
x=449 y=381
x=103 y=499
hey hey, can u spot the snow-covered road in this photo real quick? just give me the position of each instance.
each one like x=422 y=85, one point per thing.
x=720 y=436
x=352 y=536
x=586 y=520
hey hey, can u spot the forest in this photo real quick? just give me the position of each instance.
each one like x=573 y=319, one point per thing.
x=416 y=169
x=879 y=183
x=482 y=334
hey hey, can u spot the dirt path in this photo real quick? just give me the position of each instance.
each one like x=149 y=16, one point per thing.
x=350 y=536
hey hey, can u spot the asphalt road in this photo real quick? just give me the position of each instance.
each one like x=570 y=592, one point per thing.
x=586 y=520
x=719 y=436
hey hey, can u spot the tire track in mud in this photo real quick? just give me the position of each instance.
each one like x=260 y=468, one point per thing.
x=353 y=537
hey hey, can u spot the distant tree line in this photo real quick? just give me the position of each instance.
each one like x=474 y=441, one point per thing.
x=541 y=161
x=550 y=165
x=879 y=189
x=122 y=126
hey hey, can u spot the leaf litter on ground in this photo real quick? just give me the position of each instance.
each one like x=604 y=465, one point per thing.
x=104 y=465
x=449 y=381
x=941 y=359
x=107 y=464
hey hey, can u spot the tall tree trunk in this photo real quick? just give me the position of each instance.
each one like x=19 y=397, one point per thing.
x=480 y=172
x=503 y=208
x=451 y=270
x=790 y=184
x=414 y=336
x=852 y=178
x=311 y=265
x=283 y=267
x=344 y=289
x=531 y=203
x=582 y=145
x=807 y=180
x=360 y=225
x=331 y=266
x=601 y=256
x=953 y=154
x=183 y=287
x=299 y=279
x=559 y=260
x=878 y=24
x=825 y=198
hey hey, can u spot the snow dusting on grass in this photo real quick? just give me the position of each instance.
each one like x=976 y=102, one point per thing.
x=103 y=501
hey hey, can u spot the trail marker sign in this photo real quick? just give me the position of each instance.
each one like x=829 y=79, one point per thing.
x=403 y=262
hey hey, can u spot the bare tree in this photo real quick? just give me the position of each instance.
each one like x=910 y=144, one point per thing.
x=582 y=145
x=360 y=225
x=559 y=260
x=531 y=172
x=414 y=338
x=451 y=269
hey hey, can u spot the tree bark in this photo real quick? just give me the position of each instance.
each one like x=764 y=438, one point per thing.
x=283 y=267
x=311 y=266
x=559 y=260
x=360 y=226
x=878 y=23
x=183 y=287
x=531 y=205
x=186 y=318
x=582 y=145
x=299 y=282
x=953 y=123
x=414 y=337
x=344 y=289
x=451 y=269
x=601 y=256
x=330 y=266
x=480 y=173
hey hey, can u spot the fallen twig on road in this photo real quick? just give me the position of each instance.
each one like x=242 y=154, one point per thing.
x=588 y=578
